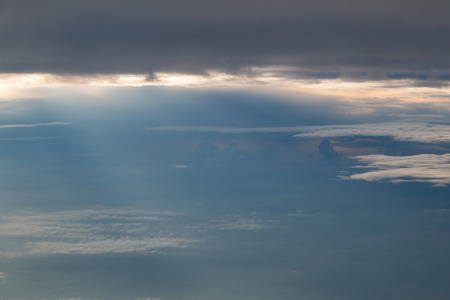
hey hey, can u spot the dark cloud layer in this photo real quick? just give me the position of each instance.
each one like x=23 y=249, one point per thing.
x=151 y=36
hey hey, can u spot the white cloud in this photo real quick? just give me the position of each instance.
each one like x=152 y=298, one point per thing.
x=411 y=132
x=237 y=222
x=242 y=224
x=93 y=232
x=101 y=231
x=30 y=138
x=229 y=130
x=300 y=213
x=120 y=245
x=78 y=223
x=34 y=125
x=429 y=168
x=402 y=131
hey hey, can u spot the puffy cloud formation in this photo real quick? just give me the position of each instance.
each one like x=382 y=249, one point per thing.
x=429 y=168
x=327 y=150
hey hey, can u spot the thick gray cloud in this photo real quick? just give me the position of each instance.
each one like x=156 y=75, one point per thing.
x=151 y=36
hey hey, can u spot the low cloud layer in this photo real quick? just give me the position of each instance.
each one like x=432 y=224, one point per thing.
x=428 y=168
x=103 y=231
x=92 y=232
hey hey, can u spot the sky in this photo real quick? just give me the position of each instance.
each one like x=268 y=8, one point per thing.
x=216 y=150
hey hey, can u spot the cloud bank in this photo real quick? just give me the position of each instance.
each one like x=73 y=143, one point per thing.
x=428 y=168
x=408 y=132
x=401 y=131
x=142 y=37
x=93 y=232
x=106 y=231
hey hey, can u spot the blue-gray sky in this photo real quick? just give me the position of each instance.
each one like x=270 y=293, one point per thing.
x=167 y=150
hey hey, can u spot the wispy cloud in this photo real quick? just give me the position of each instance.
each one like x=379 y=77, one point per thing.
x=402 y=131
x=229 y=130
x=120 y=245
x=238 y=222
x=300 y=213
x=30 y=138
x=428 y=168
x=410 y=132
x=35 y=125
x=97 y=231
x=93 y=232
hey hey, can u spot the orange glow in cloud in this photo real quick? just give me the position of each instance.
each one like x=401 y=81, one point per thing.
x=21 y=85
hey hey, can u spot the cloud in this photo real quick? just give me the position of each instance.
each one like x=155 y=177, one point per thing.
x=103 y=231
x=299 y=213
x=121 y=245
x=409 y=132
x=327 y=150
x=402 y=131
x=35 y=125
x=30 y=138
x=144 y=37
x=242 y=224
x=210 y=154
x=428 y=168
x=238 y=222
x=93 y=232
x=229 y=130
x=78 y=224
x=304 y=214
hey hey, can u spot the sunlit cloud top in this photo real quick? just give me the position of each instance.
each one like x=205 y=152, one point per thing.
x=411 y=132
x=429 y=168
